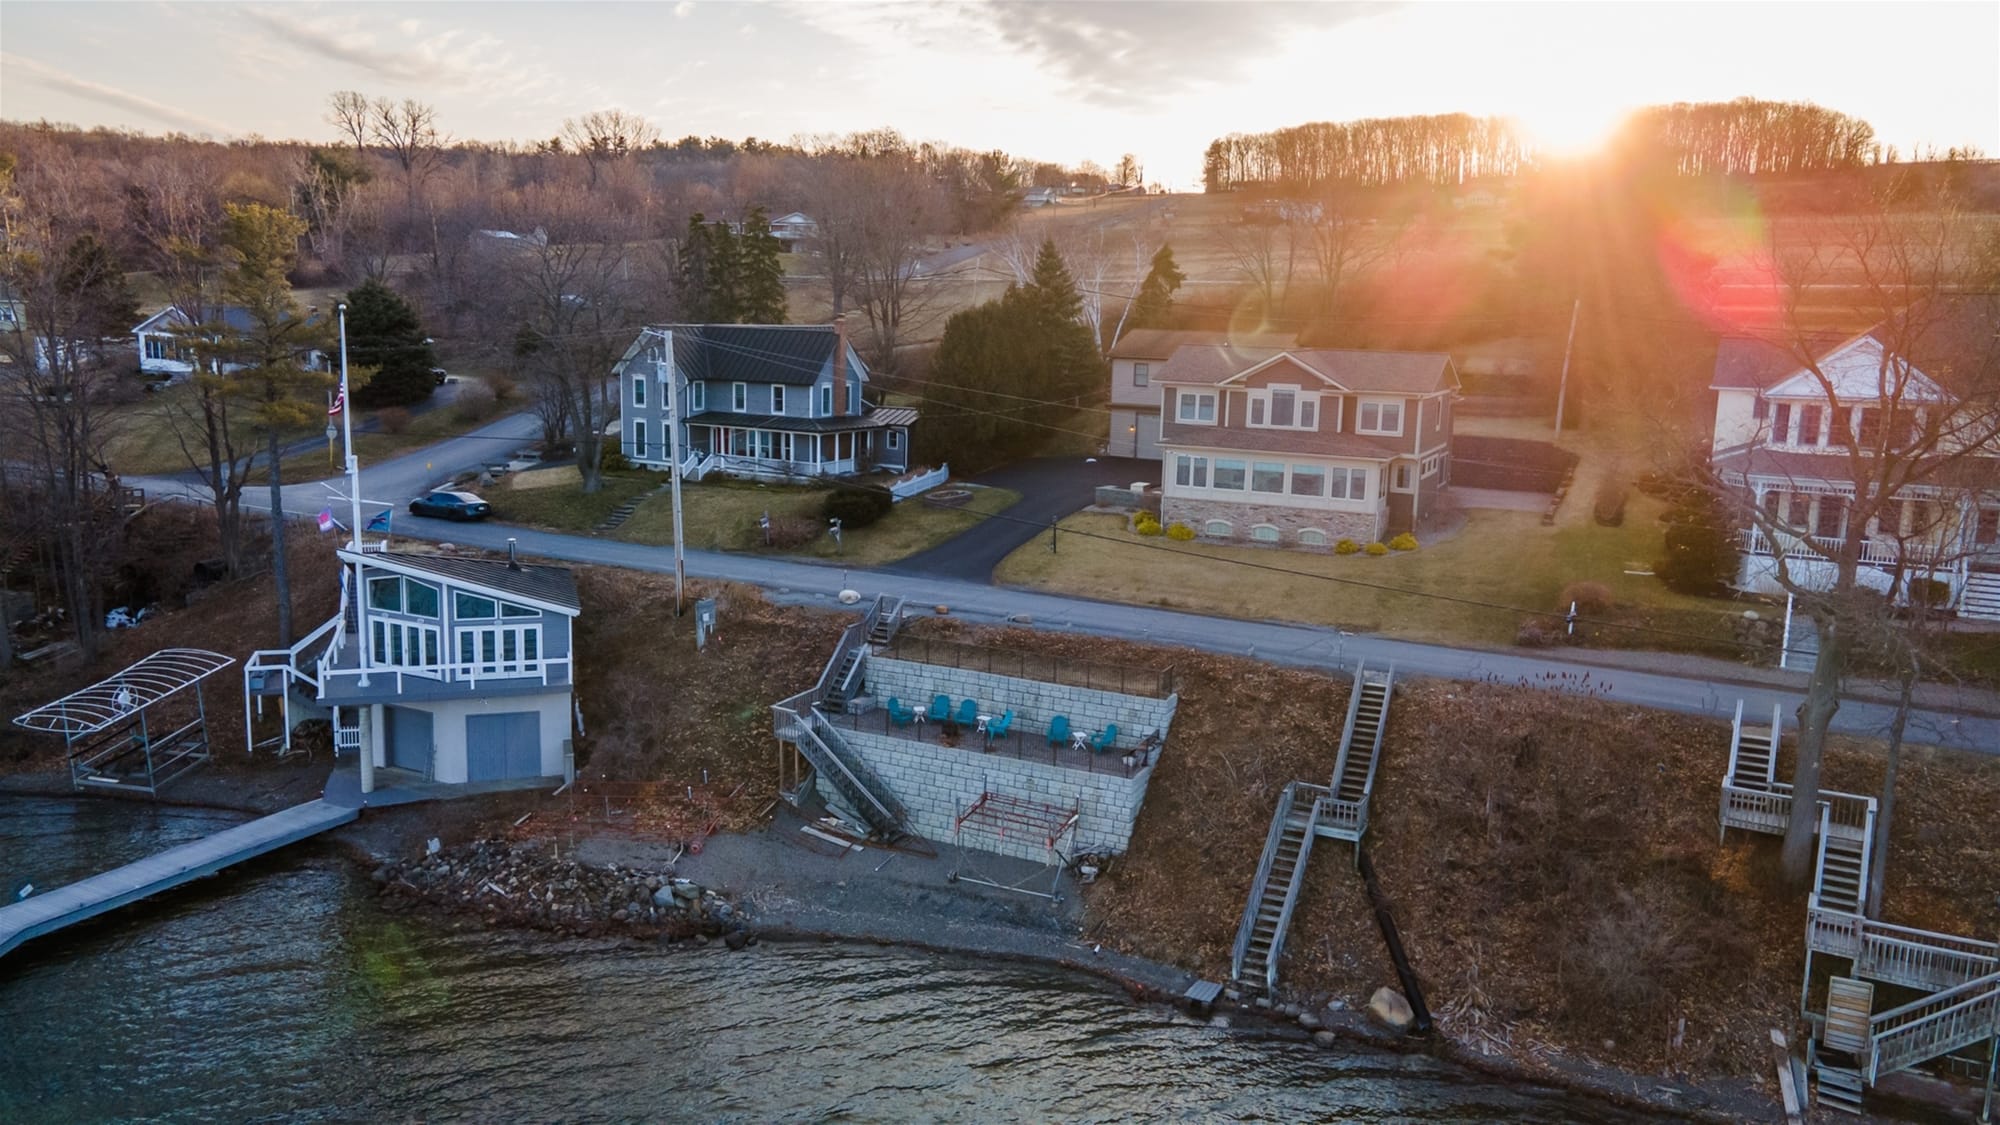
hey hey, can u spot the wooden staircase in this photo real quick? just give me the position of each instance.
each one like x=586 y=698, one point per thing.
x=1344 y=815
x=1274 y=893
x=1305 y=811
x=1840 y=878
x=801 y=722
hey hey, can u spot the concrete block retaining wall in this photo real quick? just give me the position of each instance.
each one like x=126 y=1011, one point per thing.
x=935 y=784
x=1034 y=702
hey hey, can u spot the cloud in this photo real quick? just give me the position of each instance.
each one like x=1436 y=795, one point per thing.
x=1127 y=55
x=449 y=59
x=113 y=96
x=683 y=9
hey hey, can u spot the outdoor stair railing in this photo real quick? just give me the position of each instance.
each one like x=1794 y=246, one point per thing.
x=1829 y=839
x=1314 y=793
x=1899 y=954
x=1248 y=924
x=1926 y=1028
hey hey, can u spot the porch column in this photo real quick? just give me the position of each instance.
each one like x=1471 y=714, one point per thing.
x=366 y=715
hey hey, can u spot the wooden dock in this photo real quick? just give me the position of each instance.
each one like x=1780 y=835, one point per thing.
x=66 y=906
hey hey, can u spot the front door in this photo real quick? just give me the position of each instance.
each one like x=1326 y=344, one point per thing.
x=502 y=746
x=409 y=732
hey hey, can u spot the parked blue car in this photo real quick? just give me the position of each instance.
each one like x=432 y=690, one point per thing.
x=451 y=506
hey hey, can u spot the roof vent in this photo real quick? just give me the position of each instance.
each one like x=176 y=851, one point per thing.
x=513 y=555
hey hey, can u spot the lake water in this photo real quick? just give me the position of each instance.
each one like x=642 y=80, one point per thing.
x=281 y=992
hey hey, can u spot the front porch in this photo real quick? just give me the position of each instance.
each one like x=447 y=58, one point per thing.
x=782 y=447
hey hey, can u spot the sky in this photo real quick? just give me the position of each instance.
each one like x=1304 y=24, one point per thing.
x=1061 y=81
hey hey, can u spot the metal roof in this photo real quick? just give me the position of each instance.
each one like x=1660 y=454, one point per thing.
x=143 y=684
x=551 y=585
x=795 y=354
x=794 y=423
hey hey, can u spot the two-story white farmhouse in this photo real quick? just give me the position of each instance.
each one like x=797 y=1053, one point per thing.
x=1796 y=437
x=1303 y=447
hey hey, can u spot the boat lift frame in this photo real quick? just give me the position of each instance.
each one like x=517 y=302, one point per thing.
x=995 y=817
x=107 y=728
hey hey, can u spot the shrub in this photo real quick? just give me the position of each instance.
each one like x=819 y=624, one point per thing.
x=1179 y=532
x=1403 y=542
x=1608 y=507
x=1929 y=593
x=1346 y=547
x=393 y=419
x=1588 y=597
x=1702 y=550
x=1377 y=548
x=1538 y=632
x=792 y=532
x=611 y=458
x=1147 y=525
x=857 y=507
x=500 y=387
x=475 y=403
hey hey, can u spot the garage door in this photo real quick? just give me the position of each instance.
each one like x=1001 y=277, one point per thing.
x=1148 y=435
x=410 y=739
x=503 y=746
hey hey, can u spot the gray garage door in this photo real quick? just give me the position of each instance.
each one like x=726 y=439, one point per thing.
x=1146 y=441
x=410 y=739
x=503 y=746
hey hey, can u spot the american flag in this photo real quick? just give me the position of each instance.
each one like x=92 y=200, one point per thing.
x=339 y=403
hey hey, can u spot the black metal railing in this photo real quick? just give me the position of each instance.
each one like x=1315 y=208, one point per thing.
x=1028 y=744
x=1095 y=675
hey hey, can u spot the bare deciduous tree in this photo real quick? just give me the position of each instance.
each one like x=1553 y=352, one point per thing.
x=350 y=112
x=606 y=135
x=1858 y=483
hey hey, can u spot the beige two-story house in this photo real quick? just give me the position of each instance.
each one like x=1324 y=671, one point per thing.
x=1304 y=447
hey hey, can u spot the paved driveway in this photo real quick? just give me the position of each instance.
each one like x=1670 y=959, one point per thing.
x=1050 y=488
x=1500 y=499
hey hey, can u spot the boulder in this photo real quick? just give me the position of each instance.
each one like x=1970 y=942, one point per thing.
x=1309 y=1021
x=1324 y=1038
x=736 y=939
x=1388 y=1006
x=664 y=898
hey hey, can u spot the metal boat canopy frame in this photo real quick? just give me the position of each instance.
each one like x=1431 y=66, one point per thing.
x=132 y=730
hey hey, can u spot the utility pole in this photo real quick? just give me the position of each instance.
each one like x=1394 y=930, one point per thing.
x=674 y=455
x=1562 y=388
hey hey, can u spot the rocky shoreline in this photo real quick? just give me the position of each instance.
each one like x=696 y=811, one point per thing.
x=528 y=885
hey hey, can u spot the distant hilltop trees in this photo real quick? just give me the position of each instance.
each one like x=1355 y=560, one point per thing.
x=1742 y=137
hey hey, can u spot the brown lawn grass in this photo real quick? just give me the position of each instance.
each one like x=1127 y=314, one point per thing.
x=1505 y=559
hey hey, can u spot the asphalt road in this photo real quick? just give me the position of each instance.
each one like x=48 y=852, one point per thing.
x=1050 y=488
x=1693 y=685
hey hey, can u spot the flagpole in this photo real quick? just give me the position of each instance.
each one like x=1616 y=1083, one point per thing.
x=347 y=433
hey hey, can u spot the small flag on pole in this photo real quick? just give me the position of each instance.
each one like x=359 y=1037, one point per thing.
x=326 y=519
x=381 y=520
x=339 y=403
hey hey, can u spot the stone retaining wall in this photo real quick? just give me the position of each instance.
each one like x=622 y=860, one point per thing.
x=1034 y=702
x=935 y=784
x=1362 y=527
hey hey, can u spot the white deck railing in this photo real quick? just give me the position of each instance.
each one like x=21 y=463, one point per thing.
x=471 y=675
x=1927 y=1028
x=1899 y=954
x=1875 y=550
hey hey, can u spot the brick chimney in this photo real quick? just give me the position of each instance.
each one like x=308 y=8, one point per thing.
x=840 y=365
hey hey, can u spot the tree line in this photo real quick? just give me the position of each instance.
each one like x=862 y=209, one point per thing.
x=1746 y=136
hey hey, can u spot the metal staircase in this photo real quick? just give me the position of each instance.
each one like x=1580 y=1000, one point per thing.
x=1274 y=893
x=801 y=721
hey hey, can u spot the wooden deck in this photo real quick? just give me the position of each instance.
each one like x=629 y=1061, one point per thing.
x=66 y=906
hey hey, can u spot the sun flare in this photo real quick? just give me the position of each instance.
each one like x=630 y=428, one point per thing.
x=1576 y=127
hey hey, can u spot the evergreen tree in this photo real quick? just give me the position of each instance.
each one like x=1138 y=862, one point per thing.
x=266 y=352
x=383 y=333
x=760 y=282
x=704 y=273
x=1154 y=306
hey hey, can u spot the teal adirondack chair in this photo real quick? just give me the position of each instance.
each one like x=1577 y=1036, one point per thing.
x=900 y=715
x=999 y=727
x=1104 y=739
x=940 y=708
x=1058 y=730
x=968 y=713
